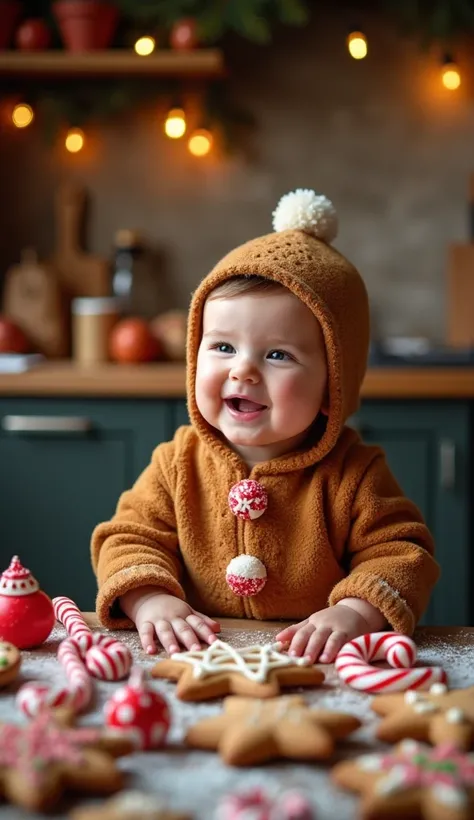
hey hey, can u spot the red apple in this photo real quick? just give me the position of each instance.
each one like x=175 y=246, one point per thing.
x=33 y=35
x=131 y=340
x=12 y=338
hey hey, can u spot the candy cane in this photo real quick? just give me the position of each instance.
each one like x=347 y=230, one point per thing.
x=104 y=658
x=354 y=668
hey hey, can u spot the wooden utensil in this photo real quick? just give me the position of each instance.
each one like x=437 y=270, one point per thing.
x=82 y=273
x=33 y=299
x=460 y=285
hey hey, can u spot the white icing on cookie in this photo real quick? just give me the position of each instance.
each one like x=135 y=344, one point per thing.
x=253 y=662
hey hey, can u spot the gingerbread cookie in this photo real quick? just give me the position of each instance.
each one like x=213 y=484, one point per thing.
x=129 y=805
x=437 y=716
x=412 y=780
x=41 y=759
x=218 y=670
x=10 y=660
x=250 y=730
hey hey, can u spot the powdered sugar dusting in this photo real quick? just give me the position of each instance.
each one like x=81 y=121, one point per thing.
x=194 y=781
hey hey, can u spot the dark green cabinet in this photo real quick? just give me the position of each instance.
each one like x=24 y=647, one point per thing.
x=63 y=465
x=428 y=447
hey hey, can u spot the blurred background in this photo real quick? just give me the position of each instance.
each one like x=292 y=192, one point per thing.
x=140 y=141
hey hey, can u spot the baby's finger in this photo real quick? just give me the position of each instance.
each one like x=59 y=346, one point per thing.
x=333 y=644
x=147 y=637
x=286 y=635
x=214 y=625
x=166 y=636
x=201 y=628
x=185 y=634
x=300 y=639
x=316 y=643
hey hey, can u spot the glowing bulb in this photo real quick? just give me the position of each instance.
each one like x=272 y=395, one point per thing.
x=450 y=76
x=74 y=140
x=144 y=46
x=200 y=142
x=22 y=115
x=357 y=45
x=175 y=123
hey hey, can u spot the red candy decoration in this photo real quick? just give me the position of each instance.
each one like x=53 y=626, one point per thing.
x=248 y=499
x=246 y=575
x=139 y=711
x=26 y=612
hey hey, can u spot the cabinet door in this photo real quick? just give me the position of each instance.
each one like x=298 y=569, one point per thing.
x=64 y=464
x=428 y=449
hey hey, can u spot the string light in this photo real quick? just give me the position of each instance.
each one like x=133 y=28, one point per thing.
x=144 y=46
x=22 y=115
x=175 y=123
x=450 y=75
x=200 y=142
x=74 y=140
x=357 y=45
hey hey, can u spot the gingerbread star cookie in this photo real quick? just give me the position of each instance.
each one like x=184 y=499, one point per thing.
x=256 y=671
x=412 y=780
x=41 y=759
x=250 y=730
x=436 y=716
x=10 y=660
x=129 y=805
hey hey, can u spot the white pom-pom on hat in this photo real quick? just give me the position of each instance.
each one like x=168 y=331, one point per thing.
x=305 y=210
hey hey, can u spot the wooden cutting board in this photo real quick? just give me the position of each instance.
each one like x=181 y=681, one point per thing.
x=81 y=273
x=32 y=298
x=460 y=285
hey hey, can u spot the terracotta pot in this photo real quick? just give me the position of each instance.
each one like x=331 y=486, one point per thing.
x=10 y=11
x=85 y=25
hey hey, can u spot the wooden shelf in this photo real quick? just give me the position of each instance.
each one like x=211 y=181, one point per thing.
x=112 y=63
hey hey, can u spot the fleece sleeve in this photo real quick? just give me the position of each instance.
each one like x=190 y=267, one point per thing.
x=139 y=545
x=389 y=550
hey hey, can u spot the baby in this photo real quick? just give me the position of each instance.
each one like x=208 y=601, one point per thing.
x=278 y=338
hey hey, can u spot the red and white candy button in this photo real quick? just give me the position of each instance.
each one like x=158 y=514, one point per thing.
x=248 y=499
x=246 y=575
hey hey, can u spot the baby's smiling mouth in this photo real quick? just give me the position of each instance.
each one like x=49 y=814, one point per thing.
x=244 y=405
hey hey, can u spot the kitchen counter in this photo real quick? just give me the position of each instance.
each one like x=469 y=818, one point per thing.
x=167 y=380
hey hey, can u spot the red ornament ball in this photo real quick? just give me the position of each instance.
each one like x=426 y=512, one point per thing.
x=26 y=612
x=248 y=499
x=246 y=575
x=183 y=36
x=139 y=711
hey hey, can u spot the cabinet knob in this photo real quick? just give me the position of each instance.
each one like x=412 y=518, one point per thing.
x=31 y=425
x=447 y=464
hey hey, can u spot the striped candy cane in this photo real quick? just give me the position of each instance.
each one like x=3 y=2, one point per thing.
x=354 y=668
x=82 y=654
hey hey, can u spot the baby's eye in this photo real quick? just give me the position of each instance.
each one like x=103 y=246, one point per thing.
x=222 y=347
x=279 y=355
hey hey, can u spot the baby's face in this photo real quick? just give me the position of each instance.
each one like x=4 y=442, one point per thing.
x=261 y=372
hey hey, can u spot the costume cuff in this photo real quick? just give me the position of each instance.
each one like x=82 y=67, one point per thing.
x=381 y=595
x=131 y=578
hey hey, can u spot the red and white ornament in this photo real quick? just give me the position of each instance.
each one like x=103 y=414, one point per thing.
x=26 y=612
x=246 y=575
x=248 y=499
x=139 y=711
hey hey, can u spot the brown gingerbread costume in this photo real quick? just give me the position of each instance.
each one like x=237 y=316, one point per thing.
x=336 y=524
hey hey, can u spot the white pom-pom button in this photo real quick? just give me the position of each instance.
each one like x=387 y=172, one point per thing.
x=246 y=575
x=305 y=210
x=248 y=499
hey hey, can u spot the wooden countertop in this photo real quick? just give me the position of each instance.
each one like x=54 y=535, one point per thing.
x=167 y=380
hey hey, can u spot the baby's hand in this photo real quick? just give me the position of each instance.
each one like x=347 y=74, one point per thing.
x=323 y=634
x=170 y=619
